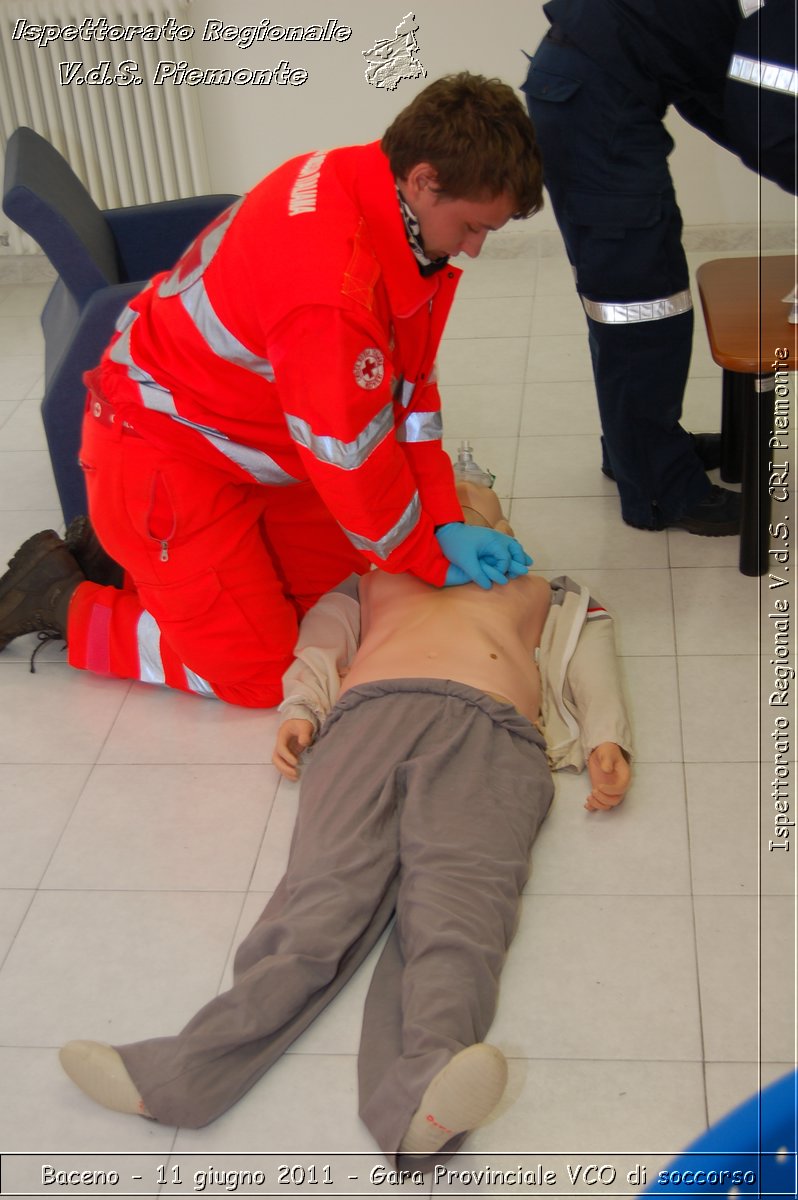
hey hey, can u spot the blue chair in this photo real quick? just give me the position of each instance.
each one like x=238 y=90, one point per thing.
x=750 y=1152
x=102 y=258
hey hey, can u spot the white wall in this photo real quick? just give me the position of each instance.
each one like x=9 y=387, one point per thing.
x=249 y=130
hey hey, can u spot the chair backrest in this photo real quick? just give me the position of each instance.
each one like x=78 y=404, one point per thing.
x=43 y=195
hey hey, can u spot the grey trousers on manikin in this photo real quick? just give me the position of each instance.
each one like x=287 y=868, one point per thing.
x=423 y=797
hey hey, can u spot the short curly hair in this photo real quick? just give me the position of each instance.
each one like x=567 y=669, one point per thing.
x=477 y=135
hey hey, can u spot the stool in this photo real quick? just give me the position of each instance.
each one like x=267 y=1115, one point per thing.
x=747 y=323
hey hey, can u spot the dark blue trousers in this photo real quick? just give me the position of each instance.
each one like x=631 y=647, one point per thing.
x=605 y=160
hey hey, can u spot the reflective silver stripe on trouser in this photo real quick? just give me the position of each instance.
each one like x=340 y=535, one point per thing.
x=151 y=670
x=420 y=427
x=148 y=637
x=605 y=312
x=763 y=74
x=346 y=455
x=197 y=684
x=394 y=537
x=256 y=463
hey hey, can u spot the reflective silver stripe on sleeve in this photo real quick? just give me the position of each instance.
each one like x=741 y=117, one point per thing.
x=197 y=684
x=346 y=455
x=125 y=319
x=394 y=537
x=403 y=391
x=218 y=337
x=159 y=399
x=148 y=638
x=420 y=427
x=608 y=313
x=750 y=6
x=256 y=463
x=152 y=395
x=772 y=76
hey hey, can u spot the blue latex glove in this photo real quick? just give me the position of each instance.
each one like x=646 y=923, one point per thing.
x=480 y=556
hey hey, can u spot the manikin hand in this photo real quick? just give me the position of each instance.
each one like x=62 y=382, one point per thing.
x=609 y=777
x=293 y=736
x=481 y=556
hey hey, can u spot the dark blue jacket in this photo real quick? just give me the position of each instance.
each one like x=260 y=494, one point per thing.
x=679 y=52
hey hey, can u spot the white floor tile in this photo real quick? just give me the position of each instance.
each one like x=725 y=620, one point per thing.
x=26 y=481
x=481 y=410
x=50 y=1115
x=724 y=817
x=554 y=1107
x=731 y=1084
x=560 y=466
x=21 y=372
x=639 y=848
x=719 y=706
x=575 y=533
x=559 y=356
x=572 y=983
x=716 y=611
x=113 y=966
x=24 y=429
x=556 y=314
x=19 y=335
x=482 y=360
x=14 y=909
x=747 y=989
x=489 y=317
x=37 y=804
x=561 y=406
x=49 y=718
x=156 y=828
x=159 y=726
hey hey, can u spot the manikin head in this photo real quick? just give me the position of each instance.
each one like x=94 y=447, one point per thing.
x=464 y=155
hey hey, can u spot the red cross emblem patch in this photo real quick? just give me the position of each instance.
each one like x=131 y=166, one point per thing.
x=369 y=368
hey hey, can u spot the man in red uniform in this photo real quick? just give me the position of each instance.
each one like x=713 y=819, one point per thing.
x=266 y=421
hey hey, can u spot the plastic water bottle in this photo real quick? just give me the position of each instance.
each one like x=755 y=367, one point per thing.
x=469 y=471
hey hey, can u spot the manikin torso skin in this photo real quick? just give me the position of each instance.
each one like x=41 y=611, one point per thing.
x=410 y=629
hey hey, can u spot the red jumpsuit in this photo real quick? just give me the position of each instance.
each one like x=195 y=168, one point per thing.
x=264 y=422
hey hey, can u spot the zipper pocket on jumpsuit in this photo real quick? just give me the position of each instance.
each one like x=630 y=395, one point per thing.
x=161 y=509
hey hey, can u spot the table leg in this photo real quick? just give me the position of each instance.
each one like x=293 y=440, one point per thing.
x=757 y=425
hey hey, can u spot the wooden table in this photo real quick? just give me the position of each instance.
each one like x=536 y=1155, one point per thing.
x=749 y=334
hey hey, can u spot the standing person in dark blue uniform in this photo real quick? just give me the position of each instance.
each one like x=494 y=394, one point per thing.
x=597 y=91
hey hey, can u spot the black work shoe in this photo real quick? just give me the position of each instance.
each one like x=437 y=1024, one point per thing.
x=717 y=516
x=95 y=563
x=706 y=446
x=37 y=587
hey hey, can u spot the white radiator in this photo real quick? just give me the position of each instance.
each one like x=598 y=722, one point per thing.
x=129 y=144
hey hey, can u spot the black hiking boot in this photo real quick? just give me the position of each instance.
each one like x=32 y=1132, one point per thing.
x=37 y=587
x=95 y=563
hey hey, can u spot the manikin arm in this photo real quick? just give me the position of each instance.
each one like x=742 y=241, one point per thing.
x=328 y=640
x=594 y=683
